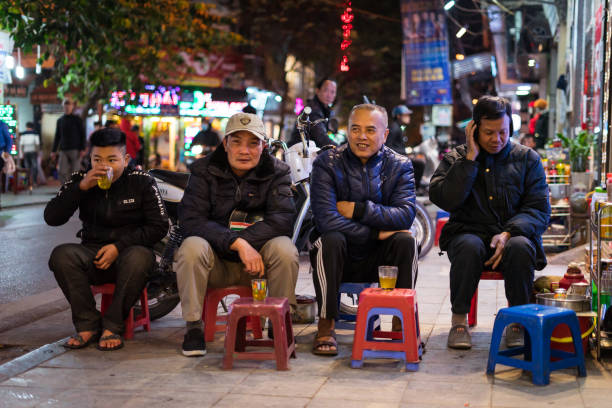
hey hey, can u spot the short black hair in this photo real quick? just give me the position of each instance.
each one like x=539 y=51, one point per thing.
x=97 y=123
x=322 y=81
x=108 y=137
x=109 y=123
x=249 y=109
x=135 y=128
x=492 y=107
x=30 y=125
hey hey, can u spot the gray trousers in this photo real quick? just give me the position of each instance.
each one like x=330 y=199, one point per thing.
x=69 y=162
x=198 y=267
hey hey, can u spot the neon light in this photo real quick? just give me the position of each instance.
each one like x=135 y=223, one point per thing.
x=299 y=106
x=347 y=17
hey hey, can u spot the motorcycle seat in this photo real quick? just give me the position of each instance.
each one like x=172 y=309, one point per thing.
x=174 y=178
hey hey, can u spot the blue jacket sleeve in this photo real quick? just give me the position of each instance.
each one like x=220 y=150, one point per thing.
x=194 y=211
x=7 y=142
x=400 y=212
x=325 y=213
x=533 y=214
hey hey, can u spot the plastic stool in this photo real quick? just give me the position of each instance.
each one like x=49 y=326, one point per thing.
x=214 y=323
x=107 y=290
x=473 y=315
x=277 y=310
x=439 y=225
x=350 y=289
x=539 y=322
x=442 y=214
x=404 y=345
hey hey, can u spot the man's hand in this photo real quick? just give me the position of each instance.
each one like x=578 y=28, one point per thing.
x=498 y=242
x=253 y=263
x=346 y=208
x=91 y=178
x=382 y=235
x=470 y=139
x=106 y=256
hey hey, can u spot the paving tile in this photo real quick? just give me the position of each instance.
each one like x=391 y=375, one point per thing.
x=195 y=398
x=468 y=370
x=52 y=378
x=447 y=394
x=359 y=389
x=251 y=400
x=279 y=383
x=597 y=398
x=18 y=397
x=188 y=380
x=524 y=395
x=335 y=403
x=79 y=398
x=82 y=359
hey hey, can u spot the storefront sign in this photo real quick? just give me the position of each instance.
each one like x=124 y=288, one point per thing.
x=8 y=114
x=204 y=105
x=15 y=91
x=425 y=51
x=160 y=101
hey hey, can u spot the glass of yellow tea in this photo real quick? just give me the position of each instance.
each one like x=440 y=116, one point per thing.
x=105 y=182
x=387 y=275
x=259 y=288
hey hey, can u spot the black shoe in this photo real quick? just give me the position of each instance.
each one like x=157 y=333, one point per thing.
x=194 y=344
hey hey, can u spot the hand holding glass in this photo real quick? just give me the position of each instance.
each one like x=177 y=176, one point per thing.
x=387 y=275
x=105 y=182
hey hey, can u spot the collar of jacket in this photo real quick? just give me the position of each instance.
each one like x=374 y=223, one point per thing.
x=324 y=108
x=501 y=155
x=219 y=165
x=372 y=161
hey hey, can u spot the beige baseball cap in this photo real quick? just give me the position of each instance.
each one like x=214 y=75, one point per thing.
x=246 y=121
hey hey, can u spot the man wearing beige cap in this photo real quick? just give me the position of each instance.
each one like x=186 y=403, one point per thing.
x=240 y=183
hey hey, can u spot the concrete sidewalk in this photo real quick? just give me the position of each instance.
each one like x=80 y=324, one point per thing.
x=38 y=195
x=150 y=370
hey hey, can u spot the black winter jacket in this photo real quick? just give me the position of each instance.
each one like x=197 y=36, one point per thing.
x=214 y=192
x=69 y=133
x=131 y=212
x=382 y=189
x=396 y=139
x=318 y=134
x=495 y=193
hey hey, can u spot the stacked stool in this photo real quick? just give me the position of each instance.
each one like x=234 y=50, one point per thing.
x=539 y=322
x=404 y=345
x=132 y=321
x=214 y=323
x=277 y=310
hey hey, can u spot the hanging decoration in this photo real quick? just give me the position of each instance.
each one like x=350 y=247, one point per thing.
x=346 y=18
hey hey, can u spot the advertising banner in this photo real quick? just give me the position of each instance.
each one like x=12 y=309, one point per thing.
x=425 y=52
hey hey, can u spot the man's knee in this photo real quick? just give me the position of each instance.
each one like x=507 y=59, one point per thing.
x=137 y=259
x=193 y=248
x=333 y=242
x=520 y=246
x=403 y=241
x=279 y=249
x=64 y=256
x=467 y=246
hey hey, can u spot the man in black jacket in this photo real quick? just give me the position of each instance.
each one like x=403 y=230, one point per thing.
x=325 y=95
x=397 y=141
x=70 y=140
x=363 y=204
x=240 y=175
x=120 y=225
x=497 y=196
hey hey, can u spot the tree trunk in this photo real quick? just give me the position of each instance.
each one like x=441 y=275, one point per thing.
x=283 y=108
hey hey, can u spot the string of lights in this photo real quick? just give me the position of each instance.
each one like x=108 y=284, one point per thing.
x=347 y=20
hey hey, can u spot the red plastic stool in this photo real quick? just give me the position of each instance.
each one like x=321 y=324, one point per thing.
x=473 y=315
x=277 y=310
x=404 y=345
x=439 y=225
x=214 y=323
x=131 y=322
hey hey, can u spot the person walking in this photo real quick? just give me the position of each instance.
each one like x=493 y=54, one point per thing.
x=69 y=141
x=29 y=146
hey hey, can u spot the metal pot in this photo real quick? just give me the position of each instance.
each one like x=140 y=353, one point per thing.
x=306 y=309
x=559 y=191
x=577 y=303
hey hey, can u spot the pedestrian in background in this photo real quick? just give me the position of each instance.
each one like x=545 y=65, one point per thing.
x=29 y=146
x=69 y=141
x=5 y=149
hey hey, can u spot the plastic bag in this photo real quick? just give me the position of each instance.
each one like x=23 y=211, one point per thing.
x=9 y=164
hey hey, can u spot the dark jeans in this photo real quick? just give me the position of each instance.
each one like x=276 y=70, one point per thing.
x=30 y=161
x=468 y=253
x=72 y=265
x=332 y=266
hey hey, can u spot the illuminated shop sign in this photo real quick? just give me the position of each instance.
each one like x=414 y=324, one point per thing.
x=202 y=104
x=174 y=101
x=8 y=115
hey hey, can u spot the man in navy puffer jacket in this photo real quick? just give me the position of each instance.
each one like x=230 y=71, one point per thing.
x=363 y=203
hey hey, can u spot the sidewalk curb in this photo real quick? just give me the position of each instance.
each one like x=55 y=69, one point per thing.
x=32 y=308
x=32 y=359
x=13 y=206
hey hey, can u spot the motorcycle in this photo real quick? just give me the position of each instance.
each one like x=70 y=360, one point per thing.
x=162 y=288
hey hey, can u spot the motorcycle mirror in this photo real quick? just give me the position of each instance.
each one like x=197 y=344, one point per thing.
x=307 y=110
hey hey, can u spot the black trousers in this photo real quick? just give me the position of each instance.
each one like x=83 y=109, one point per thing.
x=72 y=265
x=332 y=266
x=468 y=253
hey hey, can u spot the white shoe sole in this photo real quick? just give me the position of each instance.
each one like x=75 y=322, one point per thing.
x=194 y=353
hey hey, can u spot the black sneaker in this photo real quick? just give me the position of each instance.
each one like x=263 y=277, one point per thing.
x=194 y=344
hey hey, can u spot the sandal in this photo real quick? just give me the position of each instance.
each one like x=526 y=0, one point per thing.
x=81 y=342
x=110 y=337
x=317 y=343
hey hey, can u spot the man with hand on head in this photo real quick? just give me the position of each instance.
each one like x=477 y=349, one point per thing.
x=240 y=176
x=496 y=193
x=363 y=204
x=123 y=216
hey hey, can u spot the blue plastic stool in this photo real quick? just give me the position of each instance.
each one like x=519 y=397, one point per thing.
x=442 y=214
x=539 y=322
x=350 y=289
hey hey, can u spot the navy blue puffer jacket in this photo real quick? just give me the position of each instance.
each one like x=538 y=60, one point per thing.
x=382 y=189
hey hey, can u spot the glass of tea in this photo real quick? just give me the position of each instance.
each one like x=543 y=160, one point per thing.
x=105 y=182
x=387 y=276
x=259 y=288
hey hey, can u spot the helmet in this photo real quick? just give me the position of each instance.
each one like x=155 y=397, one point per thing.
x=400 y=110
